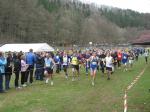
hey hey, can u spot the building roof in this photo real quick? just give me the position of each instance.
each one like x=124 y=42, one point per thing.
x=143 y=39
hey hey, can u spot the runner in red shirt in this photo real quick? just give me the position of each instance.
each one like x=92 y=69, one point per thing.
x=119 y=58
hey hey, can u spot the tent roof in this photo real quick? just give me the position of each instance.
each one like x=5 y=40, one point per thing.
x=37 y=47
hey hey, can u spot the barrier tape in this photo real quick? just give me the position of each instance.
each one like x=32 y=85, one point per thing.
x=129 y=87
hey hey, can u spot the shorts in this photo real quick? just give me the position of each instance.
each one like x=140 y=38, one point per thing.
x=93 y=67
x=65 y=68
x=109 y=68
x=76 y=67
x=125 y=63
x=49 y=70
x=115 y=63
x=130 y=61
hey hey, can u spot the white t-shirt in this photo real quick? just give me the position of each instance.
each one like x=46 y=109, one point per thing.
x=24 y=66
x=146 y=54
x=65 y=60
x=109 y=61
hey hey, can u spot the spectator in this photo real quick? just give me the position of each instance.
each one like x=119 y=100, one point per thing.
x=39 y=73
x=17 y=68
x=3 y=62
x=24 y=67
x=8 y=71
x=30 y=60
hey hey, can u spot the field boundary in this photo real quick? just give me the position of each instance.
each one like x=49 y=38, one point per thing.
x=129 y=87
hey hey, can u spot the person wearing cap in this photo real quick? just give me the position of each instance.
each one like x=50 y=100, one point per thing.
x=3 y=62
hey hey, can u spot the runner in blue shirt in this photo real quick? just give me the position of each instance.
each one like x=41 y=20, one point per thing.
x=49 y=66
x=57 y=61
x=125 y=60
x=93 y=65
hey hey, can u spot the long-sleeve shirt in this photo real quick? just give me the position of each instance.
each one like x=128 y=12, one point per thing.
x=39 y=61
x=23 y=66
x=3 y=62
x=17 y=65
x=30 y=58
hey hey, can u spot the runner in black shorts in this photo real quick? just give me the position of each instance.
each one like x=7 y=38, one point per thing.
x=65 y=63
x=75 y=65
x=109 y=69
x=49 y=66
x=49 y=70
x=109 y=64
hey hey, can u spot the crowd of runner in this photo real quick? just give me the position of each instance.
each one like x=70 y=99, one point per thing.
x=41 y=66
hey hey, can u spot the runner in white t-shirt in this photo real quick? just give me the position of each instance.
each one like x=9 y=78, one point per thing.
x=66 y=61
x=109 y=64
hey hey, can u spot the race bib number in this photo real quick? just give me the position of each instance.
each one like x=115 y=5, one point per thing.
x=94 y=63
x=65 y=59
x=47 y=64
x=124 y=57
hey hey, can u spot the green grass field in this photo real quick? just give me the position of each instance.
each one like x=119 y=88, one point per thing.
x=80 y=96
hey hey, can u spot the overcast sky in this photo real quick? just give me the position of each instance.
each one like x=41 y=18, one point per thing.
x=137 y=5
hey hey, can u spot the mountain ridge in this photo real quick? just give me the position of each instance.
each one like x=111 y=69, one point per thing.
x=63 y=22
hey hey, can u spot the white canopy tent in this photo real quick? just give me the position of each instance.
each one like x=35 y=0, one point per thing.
x=37 y=47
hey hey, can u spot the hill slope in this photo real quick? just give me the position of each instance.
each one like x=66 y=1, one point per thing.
x=64 y=22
